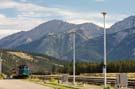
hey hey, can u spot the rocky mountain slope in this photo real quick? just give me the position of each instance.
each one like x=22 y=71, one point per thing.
x=89 y=40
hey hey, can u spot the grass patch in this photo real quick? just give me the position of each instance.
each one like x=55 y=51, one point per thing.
x=52 y=84
x=108 y=87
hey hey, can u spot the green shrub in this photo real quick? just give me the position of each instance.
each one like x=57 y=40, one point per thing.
x=2 y=76
x=53 y=80
x=35 y=77
x=108 y=87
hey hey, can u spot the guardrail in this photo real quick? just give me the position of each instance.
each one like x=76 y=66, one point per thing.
x=97 y=81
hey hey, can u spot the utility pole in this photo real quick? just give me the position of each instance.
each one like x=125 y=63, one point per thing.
x=1 y=63
x=73 y=34
x=104 y=67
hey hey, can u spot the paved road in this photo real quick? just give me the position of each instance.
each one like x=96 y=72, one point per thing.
x=19 y=84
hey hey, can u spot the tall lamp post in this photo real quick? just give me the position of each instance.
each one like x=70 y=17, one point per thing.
x=104 y=67
x=1 y=63
x=73 y=34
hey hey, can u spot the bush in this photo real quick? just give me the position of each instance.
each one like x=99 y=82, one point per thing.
x=35 y=77
x=108 y=87
x=2 y=76
x=53 y=80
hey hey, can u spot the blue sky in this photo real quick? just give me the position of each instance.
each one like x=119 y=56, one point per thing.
x=18 y=15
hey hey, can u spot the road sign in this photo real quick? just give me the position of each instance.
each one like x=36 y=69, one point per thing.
x=64 y=78
x=121 y=81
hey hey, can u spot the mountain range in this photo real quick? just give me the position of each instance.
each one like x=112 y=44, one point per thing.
x=54 y=39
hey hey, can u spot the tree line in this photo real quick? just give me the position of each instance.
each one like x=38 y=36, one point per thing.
x=121 y=66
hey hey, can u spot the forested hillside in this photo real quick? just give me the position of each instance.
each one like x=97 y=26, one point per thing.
x=40 y=63
x=36 y=62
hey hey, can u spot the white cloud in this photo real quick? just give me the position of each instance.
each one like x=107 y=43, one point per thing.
x=30 y=15
x=12 y=25
x=2 y=16
x=18 y=23
x=7 y=4
x=28 y=10
x=6 y=32
x=92 y=17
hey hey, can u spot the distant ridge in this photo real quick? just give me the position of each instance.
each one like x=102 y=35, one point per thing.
x=89 y=40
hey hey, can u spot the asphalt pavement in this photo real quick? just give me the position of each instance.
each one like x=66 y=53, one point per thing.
x=20 y=84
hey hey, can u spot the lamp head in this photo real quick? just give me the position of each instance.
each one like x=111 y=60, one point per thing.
x=104 y=13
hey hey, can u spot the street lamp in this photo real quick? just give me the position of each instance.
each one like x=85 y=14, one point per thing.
x=1 y=63
x=73 y=34
x=104 y=67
